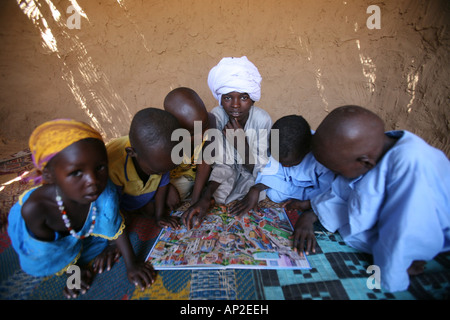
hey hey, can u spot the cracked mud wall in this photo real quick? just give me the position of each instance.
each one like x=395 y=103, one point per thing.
x=313 y=55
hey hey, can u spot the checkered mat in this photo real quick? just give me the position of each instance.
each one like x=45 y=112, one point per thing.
x=337 y=272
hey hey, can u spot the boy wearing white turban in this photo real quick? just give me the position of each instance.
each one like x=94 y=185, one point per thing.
x=236 y=84
x=235 y=74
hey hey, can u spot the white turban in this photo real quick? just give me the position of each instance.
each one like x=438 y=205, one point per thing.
x=235 y=74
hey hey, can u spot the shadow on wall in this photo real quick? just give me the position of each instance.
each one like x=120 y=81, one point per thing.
x=89 y=86
x=313 y=56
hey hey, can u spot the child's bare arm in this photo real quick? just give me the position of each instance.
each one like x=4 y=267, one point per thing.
x=163 y=217
x=201 y=178
x=203 y=169
x=35 y=216
x=139 y=273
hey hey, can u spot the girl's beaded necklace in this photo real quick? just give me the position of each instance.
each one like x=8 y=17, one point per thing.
x=67 y=221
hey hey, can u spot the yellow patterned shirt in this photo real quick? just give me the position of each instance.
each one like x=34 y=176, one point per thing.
x=133 y=193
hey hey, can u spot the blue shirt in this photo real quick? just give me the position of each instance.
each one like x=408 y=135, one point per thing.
x=44 y=258
x=302 y=182
x=399 y=211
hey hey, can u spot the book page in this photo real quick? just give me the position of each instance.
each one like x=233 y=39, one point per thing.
x=259 y=239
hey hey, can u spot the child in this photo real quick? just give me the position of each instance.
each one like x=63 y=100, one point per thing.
x=236 y=84
x=296 y=177
x=73 y=215
x=189 y=178
x=391 y=199
x=140 y=165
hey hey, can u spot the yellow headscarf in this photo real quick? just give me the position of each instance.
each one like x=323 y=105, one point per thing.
x=51 y=137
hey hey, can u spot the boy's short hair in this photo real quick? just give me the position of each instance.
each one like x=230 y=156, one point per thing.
x=152 y=128
x=294 y=136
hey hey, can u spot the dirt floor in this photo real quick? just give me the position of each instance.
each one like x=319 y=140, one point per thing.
x=313 y=55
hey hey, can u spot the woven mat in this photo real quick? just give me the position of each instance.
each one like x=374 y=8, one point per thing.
x=11 y=184
x=338 y=271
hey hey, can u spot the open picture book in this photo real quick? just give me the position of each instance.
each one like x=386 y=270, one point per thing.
x=258 y=239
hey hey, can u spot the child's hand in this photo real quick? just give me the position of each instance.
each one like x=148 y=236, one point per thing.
x=304 y=237
x=249 y=202
x=168 y=221
x=141 y=274
x=87 y=277
x=195 y=214
x=232 y=124
x=106 y=259
x=237 y=132
x=294 y=204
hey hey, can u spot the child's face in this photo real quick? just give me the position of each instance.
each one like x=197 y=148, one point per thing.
x=153 y=161
x=342 y=163
x=81 y=171
x=237 y=105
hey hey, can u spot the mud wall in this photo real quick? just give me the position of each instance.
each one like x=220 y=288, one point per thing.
x=313 y=55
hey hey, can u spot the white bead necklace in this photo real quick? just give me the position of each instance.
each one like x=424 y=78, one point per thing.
x=67 y=221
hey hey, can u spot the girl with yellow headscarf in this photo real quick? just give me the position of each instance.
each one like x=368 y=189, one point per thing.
x=72 y=214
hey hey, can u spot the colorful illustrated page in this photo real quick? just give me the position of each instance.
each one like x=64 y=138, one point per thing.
x=259 y=239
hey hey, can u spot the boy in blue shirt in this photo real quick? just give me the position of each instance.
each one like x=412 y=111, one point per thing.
x=292 y=174
x=391 y=198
